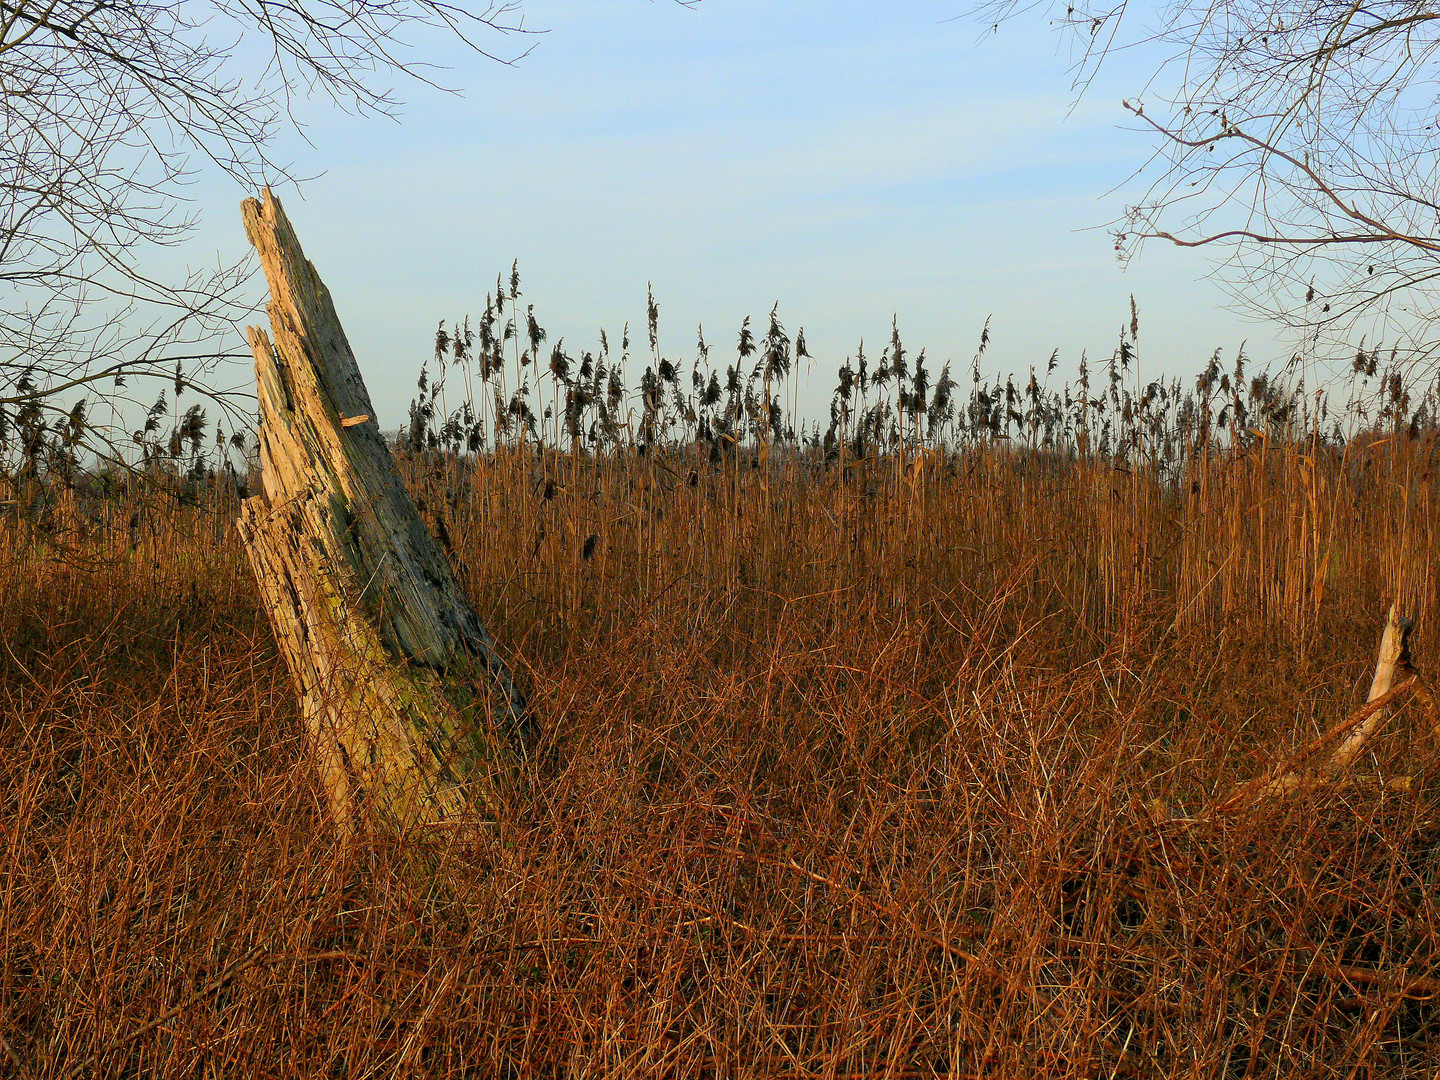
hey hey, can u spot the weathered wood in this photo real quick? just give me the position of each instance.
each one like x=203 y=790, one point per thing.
x=1287 y=779
x=1393 y=660
x=408 y=706
x=1394 y=678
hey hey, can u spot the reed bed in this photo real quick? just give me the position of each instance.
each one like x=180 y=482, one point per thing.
x=884 y=751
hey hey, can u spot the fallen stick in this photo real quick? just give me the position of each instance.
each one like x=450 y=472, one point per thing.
x=1285 y=778
x=1392 y=663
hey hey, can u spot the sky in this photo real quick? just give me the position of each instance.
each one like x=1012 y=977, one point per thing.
x=854 y=162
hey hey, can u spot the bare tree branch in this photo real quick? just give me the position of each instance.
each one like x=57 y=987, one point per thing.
x=1296 y=139
x=109 y=107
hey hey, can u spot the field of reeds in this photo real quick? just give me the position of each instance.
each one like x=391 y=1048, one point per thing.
x=883 y=745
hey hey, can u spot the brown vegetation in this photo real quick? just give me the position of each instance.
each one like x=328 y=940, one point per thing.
x=892 y=766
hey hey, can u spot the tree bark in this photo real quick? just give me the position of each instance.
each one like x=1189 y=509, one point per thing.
x=410 y=712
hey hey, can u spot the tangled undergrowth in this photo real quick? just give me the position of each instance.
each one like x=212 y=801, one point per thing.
x=889 y=766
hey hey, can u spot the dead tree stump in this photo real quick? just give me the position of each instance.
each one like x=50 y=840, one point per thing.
x=410 y=712
x=1391 y=665
x=1394 y=678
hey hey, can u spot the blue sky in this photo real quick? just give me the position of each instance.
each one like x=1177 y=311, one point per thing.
x=849 y=160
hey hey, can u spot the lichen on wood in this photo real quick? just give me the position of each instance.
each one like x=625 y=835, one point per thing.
x=410 y=711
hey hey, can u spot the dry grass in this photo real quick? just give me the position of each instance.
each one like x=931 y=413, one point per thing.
x=892 y=767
